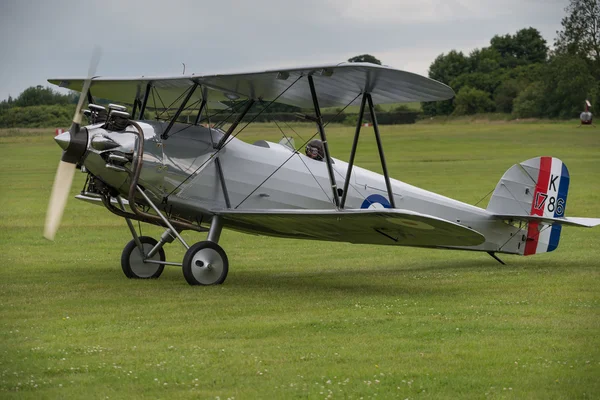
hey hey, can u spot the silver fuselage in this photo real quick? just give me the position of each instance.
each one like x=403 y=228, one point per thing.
x=183 y=171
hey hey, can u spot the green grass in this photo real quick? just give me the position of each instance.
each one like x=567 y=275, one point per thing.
x=302 y=319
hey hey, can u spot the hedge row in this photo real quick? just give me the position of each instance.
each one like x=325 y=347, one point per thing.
x=61 y=116
x=37 y=116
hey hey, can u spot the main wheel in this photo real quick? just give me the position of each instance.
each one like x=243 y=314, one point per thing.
x=133 y=264
x=205 y=263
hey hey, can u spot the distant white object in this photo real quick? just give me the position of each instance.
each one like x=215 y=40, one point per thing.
x=58 y=131
x=586 y=115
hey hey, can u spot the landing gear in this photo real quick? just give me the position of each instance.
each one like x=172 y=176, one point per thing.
x=205 y=263
x=132 y=260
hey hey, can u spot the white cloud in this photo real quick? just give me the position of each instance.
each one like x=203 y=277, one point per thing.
x=153 y=37
x=432 y=11
x=404 y=11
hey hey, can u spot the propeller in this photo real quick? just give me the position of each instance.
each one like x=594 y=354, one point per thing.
x=72 y=145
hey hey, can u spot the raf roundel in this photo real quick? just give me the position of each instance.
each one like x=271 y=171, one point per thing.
x=376 y=201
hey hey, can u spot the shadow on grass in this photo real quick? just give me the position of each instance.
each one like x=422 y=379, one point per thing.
x=438 y=277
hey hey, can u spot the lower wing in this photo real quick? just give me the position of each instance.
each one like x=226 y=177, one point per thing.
x=389 y=227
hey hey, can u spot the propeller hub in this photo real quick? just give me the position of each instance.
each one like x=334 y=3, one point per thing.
x=63 y=140
x=74 y=143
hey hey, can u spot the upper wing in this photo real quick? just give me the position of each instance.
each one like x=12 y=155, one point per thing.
x=336 y=85
x=389 y=226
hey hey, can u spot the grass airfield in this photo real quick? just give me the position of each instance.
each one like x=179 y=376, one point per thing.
x=305 y=319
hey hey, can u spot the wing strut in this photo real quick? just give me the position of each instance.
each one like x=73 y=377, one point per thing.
x=353 y=151
x=191 y=91
x=136 y=104
x=221 y=143
x=90 y=98
x=200 y=111
x=223 y=184
x=367 y=98
x=380 y=148
x=145 y=101
x=319 y=121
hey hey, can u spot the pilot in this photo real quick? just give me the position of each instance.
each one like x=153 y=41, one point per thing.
x=314 y=150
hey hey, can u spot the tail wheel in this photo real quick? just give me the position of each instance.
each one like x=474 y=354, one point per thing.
x=133 y=264
x=205 y=263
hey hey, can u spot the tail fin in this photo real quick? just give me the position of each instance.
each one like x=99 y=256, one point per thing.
x=534 y=191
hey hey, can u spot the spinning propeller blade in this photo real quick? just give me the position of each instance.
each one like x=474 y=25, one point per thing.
x=66 y=167
x=58 y=198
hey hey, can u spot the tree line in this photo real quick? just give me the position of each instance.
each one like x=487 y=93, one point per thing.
x=38 y=107
x=517 y=74
x=521 y=75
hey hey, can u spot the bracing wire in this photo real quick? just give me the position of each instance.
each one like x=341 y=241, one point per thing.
x=292 y=129
x=290 y=157
x=163 y=104
x=307 y=168
x=213 y=155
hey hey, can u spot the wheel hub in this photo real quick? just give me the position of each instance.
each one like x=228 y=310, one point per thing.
x=205 y=263
x=208 y=265
x=143 y=267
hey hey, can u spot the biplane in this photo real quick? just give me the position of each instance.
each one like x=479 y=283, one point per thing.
x=200 y=177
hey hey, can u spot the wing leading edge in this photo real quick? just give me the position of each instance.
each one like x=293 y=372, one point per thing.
x=336 y=85
x=387 y=227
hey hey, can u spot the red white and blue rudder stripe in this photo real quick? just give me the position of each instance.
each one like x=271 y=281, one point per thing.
x=549 y=200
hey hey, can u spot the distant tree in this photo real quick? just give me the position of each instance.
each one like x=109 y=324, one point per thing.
x=37 y=116
x=506 y=93
x=447 y=67
x=485 y=60
x=432 y=108
x=472 y=101
x=488 y=82
x=39 y=95
x=402 y=108
x=532 y=47
x=524 y=73
x=581 y=32
x=568 y=82
x=527 y=46
x=594 y=96
x=366 y=58
x=530 y=102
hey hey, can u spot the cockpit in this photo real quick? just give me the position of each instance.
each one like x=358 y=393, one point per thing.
x=314 y=150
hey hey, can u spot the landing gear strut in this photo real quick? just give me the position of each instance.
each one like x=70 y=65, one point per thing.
x=204 y=263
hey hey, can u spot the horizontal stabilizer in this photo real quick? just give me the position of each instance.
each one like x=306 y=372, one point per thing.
x=367 y=226
x=572 y=221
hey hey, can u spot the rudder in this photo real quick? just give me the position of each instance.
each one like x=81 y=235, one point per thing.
x=536 y=187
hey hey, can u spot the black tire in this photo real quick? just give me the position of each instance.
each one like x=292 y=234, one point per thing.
x=132 y=264
x=205 y=263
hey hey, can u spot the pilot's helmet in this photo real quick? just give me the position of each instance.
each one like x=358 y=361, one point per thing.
x=314 y=150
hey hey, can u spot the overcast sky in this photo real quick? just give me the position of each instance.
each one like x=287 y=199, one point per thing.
x=41 y=39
